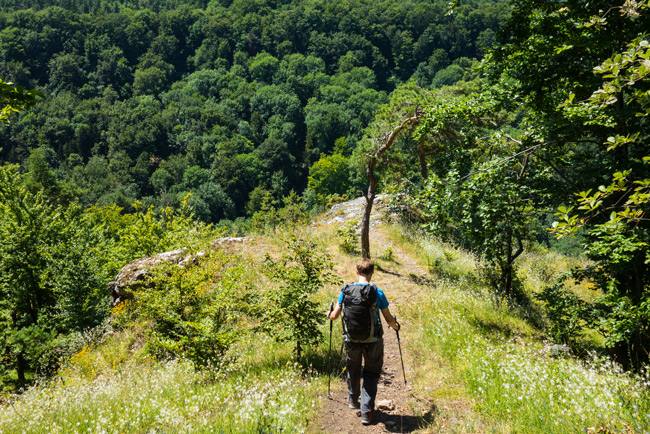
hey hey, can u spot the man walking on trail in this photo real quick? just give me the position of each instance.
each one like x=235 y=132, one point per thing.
x=360 y=303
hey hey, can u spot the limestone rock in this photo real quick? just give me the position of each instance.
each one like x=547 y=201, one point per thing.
x=555 y=350
x=385 y=404
x=133 y=276
x=226 y=240
x=352 y=209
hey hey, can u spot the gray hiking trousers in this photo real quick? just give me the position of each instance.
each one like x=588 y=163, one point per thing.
x=371 y=357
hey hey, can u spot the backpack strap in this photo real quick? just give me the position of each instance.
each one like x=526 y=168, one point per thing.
x=343 y=291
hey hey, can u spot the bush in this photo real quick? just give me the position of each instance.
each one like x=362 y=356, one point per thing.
x=292 y=312
x=192 y=309
x=569 y=315
x=347 y=237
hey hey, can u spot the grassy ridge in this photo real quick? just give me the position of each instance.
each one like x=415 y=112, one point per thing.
x=466 y=344
x=504 y=362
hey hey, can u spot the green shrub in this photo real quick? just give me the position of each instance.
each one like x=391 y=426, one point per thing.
x=192 y=309
x=271 y=216
x=388 y=255
x=292 y=312
x=569 y=314
x=347 y=238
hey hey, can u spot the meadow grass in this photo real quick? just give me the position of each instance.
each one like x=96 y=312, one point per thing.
x=540 y=267
x=250 y=395
x=501 y=359
x=114 y=386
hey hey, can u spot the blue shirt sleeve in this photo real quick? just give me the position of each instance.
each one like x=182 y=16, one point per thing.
x=382 y=301
x=340 y=300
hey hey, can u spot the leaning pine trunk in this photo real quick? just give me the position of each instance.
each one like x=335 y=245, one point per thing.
x=372 y=181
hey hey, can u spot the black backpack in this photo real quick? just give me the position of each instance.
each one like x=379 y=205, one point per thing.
x=359 y=313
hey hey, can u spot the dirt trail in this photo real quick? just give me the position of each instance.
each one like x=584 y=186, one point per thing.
x=398 y=410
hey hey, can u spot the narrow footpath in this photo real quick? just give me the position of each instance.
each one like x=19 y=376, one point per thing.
x=398 y=409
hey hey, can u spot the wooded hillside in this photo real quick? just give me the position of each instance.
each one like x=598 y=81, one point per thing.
x=228 y=100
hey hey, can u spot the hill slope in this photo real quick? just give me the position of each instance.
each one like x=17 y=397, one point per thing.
x=472 y=364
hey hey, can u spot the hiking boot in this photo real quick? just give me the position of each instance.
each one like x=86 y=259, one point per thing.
x=354 y=405
x=366 y=418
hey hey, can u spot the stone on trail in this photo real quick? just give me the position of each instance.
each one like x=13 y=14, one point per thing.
x=385 y=404
x=392 y=424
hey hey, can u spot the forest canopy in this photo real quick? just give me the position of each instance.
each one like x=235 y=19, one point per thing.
x=151 y=100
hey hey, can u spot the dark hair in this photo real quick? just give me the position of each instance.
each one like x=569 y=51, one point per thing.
x=365 y=267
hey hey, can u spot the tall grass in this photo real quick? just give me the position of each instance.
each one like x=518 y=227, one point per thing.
x=113 y=385
x=505 y=366
x=170 y=397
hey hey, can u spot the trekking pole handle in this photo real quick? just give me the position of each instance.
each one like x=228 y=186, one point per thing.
x=396 y=331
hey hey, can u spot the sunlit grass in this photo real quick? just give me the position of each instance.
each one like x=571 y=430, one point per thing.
x=253 y=394
x=541 y=267
x=443 y=260
x=505 y=368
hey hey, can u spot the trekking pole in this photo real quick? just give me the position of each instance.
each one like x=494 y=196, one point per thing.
x=329 y=371
x=399 y=345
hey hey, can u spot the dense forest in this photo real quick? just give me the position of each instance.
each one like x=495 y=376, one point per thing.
x=228 y=100
x=496 y=127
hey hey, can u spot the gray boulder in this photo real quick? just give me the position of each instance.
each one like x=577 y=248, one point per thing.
x=133 y=276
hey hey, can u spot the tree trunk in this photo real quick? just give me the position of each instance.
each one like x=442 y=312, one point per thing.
x=508 y=271
x=507 y=277
x=372 y=181
x=21 y=366
x=365 y=219
x=424 y=172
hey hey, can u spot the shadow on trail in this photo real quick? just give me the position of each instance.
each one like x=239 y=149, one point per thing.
x=419 y=280
x=386 y=271
x=422 y=280
x=403 y=423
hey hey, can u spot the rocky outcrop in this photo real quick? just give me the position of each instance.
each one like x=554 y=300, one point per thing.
x=134 y=276
x=353 y=209
x=228 y=240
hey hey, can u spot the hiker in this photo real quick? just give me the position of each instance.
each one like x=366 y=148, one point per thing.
x=360 y=303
